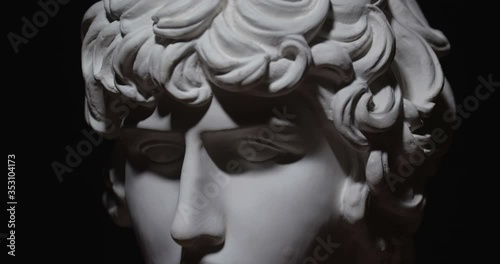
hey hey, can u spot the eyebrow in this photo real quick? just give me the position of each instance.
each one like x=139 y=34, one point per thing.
x=276 y=122
x=245 y=129
x=134 y=135
x=129 y=130
x=288 y=134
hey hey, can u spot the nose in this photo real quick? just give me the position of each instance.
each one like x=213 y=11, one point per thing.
x=199 y=220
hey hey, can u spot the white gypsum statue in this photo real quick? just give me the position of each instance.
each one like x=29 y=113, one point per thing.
x=267 y=131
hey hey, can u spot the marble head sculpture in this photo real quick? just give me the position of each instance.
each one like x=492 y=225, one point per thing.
x=267 y=131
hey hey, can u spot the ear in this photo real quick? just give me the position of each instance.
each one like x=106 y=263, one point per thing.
x=353 y=201
x=114 y=197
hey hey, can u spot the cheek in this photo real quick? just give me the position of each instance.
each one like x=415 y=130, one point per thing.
x=152 y=202
x=285 y=208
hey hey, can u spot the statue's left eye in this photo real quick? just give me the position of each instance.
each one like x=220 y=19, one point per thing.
x=252 y=149
x=255 y=151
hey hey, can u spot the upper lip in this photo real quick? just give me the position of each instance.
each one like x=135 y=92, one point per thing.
x=198 y=256
x=195 y=261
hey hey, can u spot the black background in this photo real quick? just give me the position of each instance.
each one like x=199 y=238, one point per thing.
x=66 y=223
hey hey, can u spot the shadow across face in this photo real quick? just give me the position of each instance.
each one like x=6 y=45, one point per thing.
x=268 y=132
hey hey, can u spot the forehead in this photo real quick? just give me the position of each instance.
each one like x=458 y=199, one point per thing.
x=223 y=111
x=213 y=118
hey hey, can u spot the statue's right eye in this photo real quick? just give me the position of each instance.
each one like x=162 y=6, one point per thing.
x=162 y=153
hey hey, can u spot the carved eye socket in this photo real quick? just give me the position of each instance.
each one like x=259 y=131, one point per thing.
x=254 y=151
x=162 y=153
